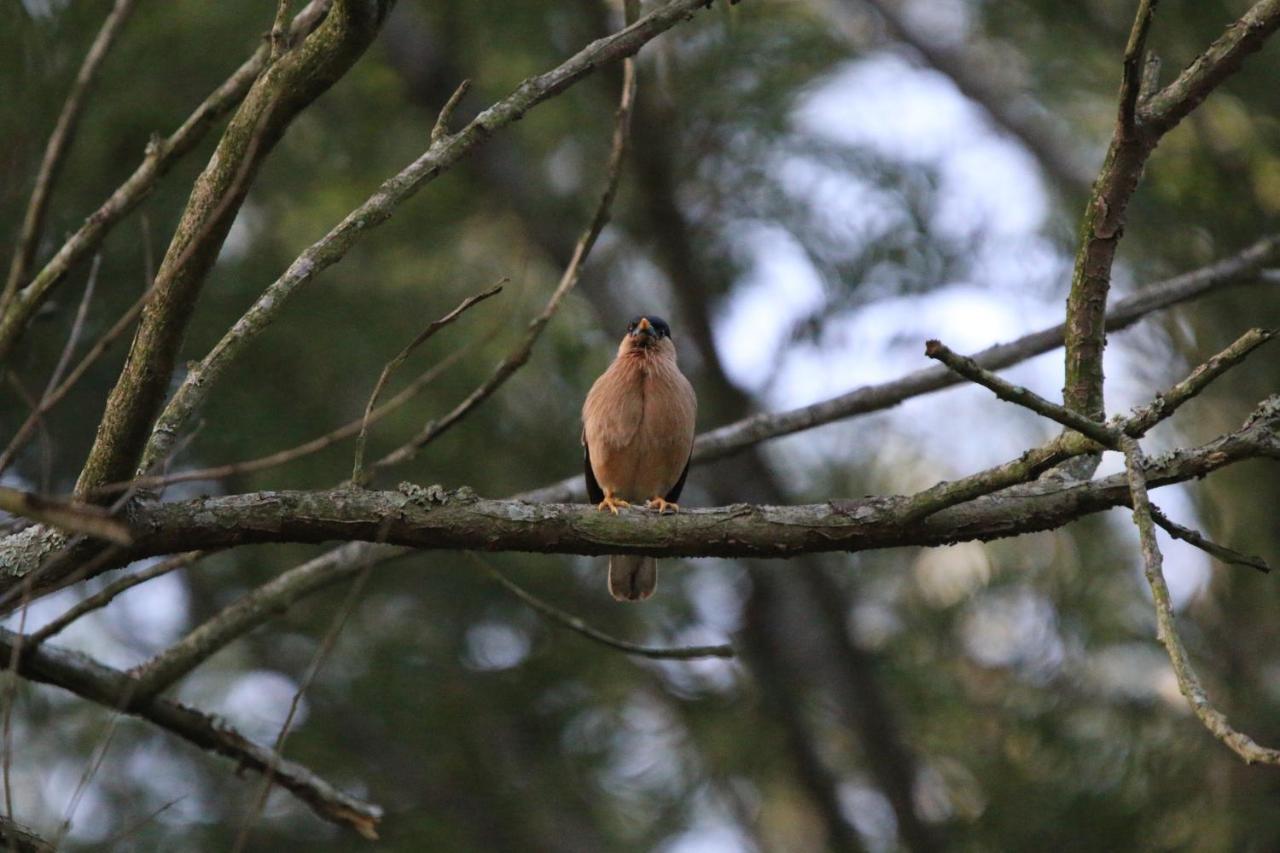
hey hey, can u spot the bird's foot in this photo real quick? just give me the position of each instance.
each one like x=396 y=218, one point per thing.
x=661 y=505
x=611 y=503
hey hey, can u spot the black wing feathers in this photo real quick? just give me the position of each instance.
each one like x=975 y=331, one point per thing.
x=674 y=495
x=594 y=493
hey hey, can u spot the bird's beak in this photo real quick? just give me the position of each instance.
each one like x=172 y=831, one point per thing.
x=643 y=328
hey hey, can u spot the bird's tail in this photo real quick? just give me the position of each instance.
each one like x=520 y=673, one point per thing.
x=632 y=578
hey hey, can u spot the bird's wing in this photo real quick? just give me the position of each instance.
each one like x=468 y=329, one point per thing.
x=594 y=493
x=673 y=495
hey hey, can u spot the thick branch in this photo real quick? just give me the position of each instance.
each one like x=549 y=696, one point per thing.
x=432 y=519
x=286 y=88
x=113 y=689
x=1134 y=138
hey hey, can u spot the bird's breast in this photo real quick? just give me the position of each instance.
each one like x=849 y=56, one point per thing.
x=638 y=424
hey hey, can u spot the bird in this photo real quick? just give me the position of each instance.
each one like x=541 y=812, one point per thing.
x=637 y=439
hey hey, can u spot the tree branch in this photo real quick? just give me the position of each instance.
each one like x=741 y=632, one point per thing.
x=969 y=369
x=106 y=686
x=1194 y=537
x=1222 y=59
x=433 y=519
x=575 y=624
x=1166 y=627
x=357 y=469
x=1131 y=77
x=1135 y=136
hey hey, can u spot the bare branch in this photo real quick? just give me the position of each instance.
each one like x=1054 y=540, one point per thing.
x=160 y=156
x=1065 y=446
x=1194 y=537
x=77 y=328
x=1134 y=138
x=317 y=660
x=573 y=623
x=436 y=160
x=1222 y=59
x=1131 y=79
x=248 y=612
x=357 y=468
x=441 y=128
x=56 y=150
x=108 y=593
x=969 y=369
x=1215 y=721
x=434 y=519
x=106 y=686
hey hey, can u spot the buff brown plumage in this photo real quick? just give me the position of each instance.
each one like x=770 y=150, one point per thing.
x=637 y=433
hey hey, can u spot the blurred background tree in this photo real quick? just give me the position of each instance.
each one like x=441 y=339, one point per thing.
x=814 y=188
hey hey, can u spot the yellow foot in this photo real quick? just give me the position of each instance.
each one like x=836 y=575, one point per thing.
x=611 y=503
x=661 y=505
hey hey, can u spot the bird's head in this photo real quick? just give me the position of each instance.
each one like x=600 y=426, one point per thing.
x=647 y=334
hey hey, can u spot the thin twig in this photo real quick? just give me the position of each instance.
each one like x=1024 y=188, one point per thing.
x=77 y=328
x=46 y=440
x=50 y=400
x=1198 y=539
x=357 y=468
x=108 y=593
x=518 y=356
x=969 y=369
x=56 y=150
x=1166 y=627
x=317 y=660
x=573 y=623
x=441 y=128
x=1131 y=77
x=113 y=842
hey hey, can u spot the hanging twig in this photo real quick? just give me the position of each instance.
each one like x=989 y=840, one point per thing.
x=573 y=623
x=357 y=468
x=1166 y=627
